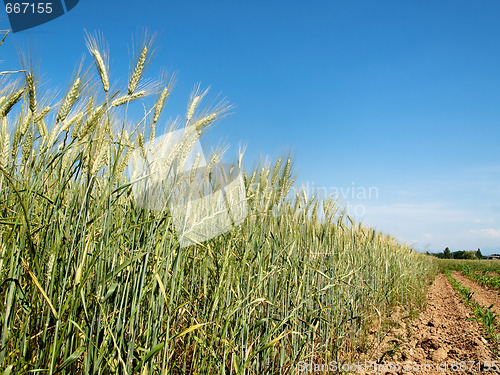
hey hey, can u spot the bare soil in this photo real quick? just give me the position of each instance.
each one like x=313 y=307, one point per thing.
x=443 y=337
x=482 y=294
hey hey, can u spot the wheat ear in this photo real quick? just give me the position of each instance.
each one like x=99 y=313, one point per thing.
x=275 y=175
x=38 y=120
x=101 y=68
x=123 y=162
x=42 y=114
x=139 y=69
x=161 y=103
x=25 y=123
x=92 y=121
x=31 y=92
x=69 y=101
x=205 y=121
x=192 y=107
x=27 y=145
x=140 y=143
x=10 y=102
x=4 y=144
x=42 y=129
x=77 y=120
x=127 y=98
x=20 y=131
x=98 y=48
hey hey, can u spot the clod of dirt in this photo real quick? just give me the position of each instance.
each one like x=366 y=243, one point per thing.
x=439 y=354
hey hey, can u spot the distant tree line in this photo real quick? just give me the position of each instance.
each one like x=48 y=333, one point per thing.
x=461 y=254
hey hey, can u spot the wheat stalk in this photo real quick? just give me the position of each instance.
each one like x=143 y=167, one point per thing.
x=3 y=249
x=141 y=293
x=4 y=36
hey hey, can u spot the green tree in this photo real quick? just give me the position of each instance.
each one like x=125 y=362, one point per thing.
x=469 y=255
x=447 y=253
x=479 y=255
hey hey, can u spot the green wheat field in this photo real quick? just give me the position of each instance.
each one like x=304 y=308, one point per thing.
x=91 y=283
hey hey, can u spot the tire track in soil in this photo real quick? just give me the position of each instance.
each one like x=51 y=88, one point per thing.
x=441 y=334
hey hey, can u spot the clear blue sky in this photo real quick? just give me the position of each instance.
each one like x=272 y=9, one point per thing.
x=399 y=96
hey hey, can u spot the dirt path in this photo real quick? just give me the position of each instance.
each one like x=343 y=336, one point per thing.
x=440 y=337
x=482 y=295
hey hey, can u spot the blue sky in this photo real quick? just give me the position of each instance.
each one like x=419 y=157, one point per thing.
x=400 y=97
